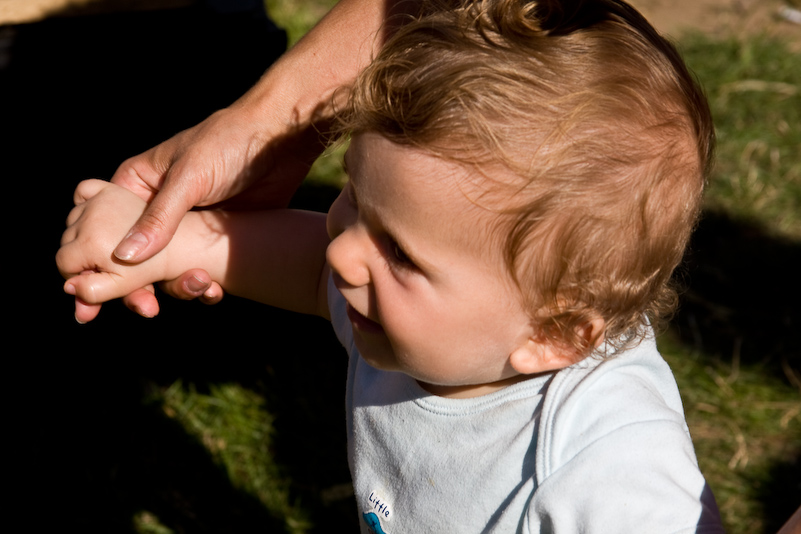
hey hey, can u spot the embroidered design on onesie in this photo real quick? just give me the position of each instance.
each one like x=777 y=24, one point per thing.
x=378 y=511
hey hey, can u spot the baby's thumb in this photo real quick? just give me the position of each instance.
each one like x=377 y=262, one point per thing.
x=95 y=288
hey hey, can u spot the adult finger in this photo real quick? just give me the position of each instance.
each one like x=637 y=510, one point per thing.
x=143 y=302
x=170 y=190
x=194 y=284
x=157 y=224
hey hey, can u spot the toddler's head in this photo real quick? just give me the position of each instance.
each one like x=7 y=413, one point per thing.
x=586 y=135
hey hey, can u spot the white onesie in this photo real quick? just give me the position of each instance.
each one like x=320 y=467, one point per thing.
x=601 y=446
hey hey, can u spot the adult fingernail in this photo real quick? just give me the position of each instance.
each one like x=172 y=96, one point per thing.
x=131 y=246
x=196 y=285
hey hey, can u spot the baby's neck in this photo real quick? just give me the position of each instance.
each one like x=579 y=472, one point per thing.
x=477 y=390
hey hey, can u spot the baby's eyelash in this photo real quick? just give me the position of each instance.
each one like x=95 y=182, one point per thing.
x=398 y=257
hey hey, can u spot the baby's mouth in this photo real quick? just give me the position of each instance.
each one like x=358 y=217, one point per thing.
x=360 y=322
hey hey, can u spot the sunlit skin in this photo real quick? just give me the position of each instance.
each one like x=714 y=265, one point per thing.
x=427 y=294
x=427 y=290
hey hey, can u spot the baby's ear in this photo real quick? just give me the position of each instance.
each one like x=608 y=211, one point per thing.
x=539 y=355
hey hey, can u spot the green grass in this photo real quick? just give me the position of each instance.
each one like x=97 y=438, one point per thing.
x=746 y=427
x=743 y=409
x=234 y=425
x=754 y=90
x=297 y=17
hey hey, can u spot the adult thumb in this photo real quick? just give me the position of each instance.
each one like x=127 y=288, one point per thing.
x=154 y=229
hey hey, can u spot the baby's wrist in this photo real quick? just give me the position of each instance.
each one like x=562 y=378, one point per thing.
x=192 y=244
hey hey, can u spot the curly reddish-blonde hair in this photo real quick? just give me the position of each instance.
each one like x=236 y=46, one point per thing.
x=606 y=132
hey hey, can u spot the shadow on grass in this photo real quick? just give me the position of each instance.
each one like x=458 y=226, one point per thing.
x=741 y=308
x=102 y=456
x=97 y=452
x=741 y=301
x=781 y=494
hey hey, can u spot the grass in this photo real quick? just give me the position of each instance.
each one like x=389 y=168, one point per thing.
x=741 y=391
x=746 y=430
x=754 y=89
x=742 y=395
x=297 y=17
x=234 y=425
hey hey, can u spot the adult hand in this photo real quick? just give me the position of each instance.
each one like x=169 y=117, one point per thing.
x=230 y=155
x=92 y=225
x=225 y=159
x=256 y=152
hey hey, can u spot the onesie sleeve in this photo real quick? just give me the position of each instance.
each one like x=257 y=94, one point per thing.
x=615 y=454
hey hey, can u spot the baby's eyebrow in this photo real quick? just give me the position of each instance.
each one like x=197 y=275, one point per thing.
x=399 y=238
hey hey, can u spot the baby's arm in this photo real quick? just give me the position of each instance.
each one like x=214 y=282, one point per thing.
x=276 y=257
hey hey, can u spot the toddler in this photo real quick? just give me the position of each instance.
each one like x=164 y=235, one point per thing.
x=523 y=179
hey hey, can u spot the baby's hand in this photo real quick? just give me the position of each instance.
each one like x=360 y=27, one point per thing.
x=102 y=215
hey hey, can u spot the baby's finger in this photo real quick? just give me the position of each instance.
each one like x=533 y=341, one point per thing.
x=68 y=236
x=85 y=312
x=87 y=189
x=74 y=214
x=69 y=260
x=95 y=288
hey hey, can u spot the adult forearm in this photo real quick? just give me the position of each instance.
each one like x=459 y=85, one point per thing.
x=298 y=90
x=256 y=152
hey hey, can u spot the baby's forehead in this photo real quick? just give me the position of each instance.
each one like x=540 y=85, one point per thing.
x=429 y=191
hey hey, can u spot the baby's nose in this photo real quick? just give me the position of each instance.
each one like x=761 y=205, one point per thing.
x=347 y=258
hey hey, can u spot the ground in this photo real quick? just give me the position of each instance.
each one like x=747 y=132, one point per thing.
x=721 y=17
x=670 y=16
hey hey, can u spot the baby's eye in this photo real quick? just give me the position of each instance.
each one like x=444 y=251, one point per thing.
x=399 y=256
